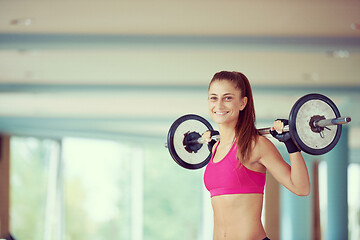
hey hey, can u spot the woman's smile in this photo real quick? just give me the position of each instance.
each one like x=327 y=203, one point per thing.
x=220 y=113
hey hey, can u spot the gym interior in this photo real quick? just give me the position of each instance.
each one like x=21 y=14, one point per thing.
x=89 y=90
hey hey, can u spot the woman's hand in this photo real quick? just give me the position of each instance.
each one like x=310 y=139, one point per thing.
x=206 y=136
x=277 y=132
x=278 y=126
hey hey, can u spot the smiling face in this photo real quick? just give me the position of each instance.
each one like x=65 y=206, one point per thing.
x=225 y=102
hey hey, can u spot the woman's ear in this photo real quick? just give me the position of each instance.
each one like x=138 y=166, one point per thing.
x=244 y=101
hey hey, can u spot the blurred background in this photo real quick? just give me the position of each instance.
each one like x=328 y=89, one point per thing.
x=89 y=89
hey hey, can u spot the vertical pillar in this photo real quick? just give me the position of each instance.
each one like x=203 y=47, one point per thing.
x=272 y=207
x=207 y=228
x=4 y=184
x=54 y=217
x=337 y=164
x=316 y=202
x=296 y=211
x=137 y=193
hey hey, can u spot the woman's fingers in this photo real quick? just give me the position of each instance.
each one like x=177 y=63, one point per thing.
x=278 y=126
x=206 y=136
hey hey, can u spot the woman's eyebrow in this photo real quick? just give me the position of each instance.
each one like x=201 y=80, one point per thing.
x=225 y=94
x=222 y=96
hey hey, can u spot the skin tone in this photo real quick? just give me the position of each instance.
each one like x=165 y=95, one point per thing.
x=238 y=216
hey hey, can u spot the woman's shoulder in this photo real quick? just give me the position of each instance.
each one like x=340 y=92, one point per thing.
x=260 y=139
x=263 y=144
x=263 y=149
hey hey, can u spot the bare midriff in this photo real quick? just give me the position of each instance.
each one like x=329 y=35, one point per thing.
x=238 y=217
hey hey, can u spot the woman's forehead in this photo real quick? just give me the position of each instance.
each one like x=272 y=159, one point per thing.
x=222 y=87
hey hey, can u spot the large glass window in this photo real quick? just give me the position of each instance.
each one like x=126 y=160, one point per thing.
x=173 y=198
x=80 y=189
x=97 y=189
x=29 y=170
x=354 y=201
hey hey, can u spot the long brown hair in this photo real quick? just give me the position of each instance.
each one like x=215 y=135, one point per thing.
x=245 y=130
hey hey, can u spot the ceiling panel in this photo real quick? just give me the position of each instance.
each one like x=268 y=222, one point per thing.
x=130 y=68
x=199 y=17
x=183 y=66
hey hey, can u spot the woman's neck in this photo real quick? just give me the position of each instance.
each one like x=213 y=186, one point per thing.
x=227 y=134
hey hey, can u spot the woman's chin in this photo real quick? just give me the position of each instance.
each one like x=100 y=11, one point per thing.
x=221 y=120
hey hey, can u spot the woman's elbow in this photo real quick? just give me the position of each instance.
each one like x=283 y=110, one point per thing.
x=303 y=192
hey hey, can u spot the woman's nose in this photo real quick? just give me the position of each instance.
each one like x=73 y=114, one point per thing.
x=219 y=104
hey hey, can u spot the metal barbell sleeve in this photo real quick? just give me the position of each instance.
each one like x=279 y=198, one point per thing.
x=333 y=121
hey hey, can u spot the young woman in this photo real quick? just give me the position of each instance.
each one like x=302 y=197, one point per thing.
x=236 y=173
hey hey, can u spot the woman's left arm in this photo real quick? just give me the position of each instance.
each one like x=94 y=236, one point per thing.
x=294 y=177
x=299 y=173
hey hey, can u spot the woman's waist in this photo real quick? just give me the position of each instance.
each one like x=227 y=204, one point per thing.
x=237 y=206
x=237 y=231
x=238 y=216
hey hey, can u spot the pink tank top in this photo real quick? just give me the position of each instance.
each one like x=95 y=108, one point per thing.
x=231 y=177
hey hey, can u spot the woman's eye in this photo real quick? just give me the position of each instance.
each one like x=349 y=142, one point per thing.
x=213 y=98
x=228 y=98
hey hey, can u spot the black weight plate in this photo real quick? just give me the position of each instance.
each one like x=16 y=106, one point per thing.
x=178 y=130
x=301 y=113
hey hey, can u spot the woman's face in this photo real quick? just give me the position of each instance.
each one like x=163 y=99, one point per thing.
x=225 y=102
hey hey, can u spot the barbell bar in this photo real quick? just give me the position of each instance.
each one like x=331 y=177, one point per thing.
x=263 y=131
x=316 y=124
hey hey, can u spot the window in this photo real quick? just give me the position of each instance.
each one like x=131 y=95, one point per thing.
x=173 y=198
x=97 y=189
x=29 y=171
x=80 y=189
x=354 y=201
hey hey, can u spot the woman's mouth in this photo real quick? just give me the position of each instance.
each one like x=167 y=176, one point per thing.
x=220 y=113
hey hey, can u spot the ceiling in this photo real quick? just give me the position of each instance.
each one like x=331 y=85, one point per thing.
x=128 y=69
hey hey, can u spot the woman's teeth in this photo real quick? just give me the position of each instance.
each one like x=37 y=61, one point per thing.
x=220 y=113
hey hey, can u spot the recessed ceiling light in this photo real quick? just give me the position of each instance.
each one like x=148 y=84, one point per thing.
x=22 y=22
x=28 y=21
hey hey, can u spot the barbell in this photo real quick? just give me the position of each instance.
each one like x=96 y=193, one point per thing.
x=314 y=125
